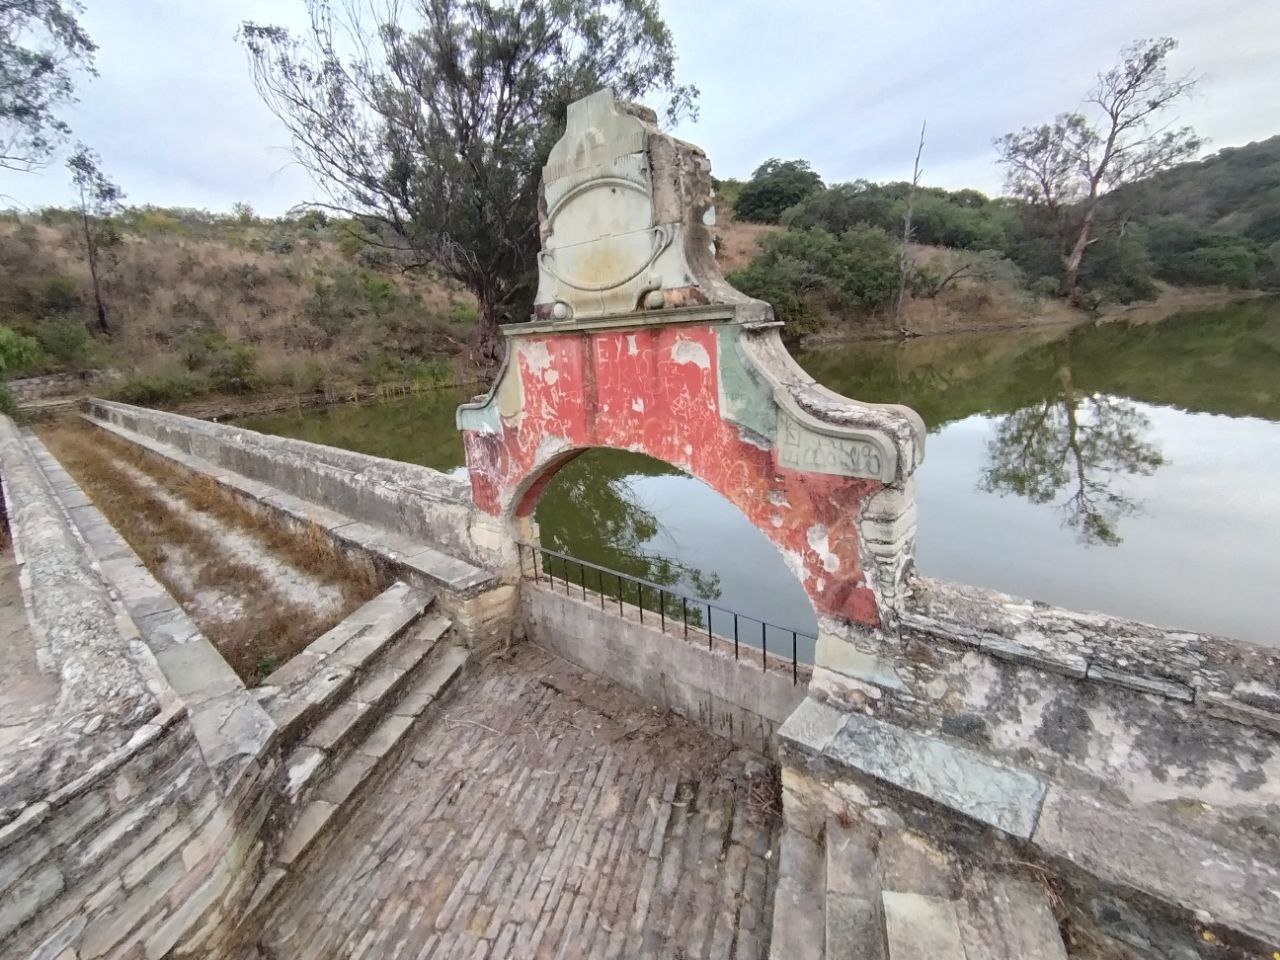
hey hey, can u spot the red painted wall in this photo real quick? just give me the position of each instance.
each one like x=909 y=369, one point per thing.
x=654 y=390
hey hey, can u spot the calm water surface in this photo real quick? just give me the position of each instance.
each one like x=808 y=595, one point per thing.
x=1129 y=469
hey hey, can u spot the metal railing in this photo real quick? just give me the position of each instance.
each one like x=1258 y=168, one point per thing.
x=681 y=610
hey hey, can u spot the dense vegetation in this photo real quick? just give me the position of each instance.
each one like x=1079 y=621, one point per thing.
x=1214 y=222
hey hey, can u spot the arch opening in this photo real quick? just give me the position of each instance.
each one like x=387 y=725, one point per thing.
x=649 y=520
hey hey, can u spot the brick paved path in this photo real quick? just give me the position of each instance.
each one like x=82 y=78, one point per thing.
x=545 y=813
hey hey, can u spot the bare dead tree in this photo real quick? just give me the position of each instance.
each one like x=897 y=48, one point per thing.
x=1066 y=166
x=99 y=200
x=908 y=231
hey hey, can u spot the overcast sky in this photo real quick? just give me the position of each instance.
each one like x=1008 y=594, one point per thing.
x=844 y=85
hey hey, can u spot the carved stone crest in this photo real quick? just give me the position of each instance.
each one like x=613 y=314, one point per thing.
x=626 y=214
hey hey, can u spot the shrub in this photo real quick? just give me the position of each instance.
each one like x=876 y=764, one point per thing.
x=232 y=367
x=462 y=312
x=963 y=219
x=60 y=295
x=1044 y=286
x=800 y=270
x=1219 y=260
x=280 y=239
x=65 y=340
x=16 y=352
x=1117 y=269
x=156 y=389
x=381 y=367
x=784 y=282
x=235 y=369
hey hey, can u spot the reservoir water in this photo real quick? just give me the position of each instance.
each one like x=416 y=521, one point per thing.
x=1129 y=469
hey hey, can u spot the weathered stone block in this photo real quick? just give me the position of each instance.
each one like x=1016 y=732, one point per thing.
x=811 y=726
x=1127 y=847
x=837 y=654
x=25 y=898
x=917 y=927
x=955 y=777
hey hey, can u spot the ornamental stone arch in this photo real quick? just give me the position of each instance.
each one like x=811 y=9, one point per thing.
x=638 y=343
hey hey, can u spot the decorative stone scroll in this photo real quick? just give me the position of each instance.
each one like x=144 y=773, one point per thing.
x=847 y=454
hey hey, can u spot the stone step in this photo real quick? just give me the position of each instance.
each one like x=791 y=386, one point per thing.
x=854 y=924
x=799 y=926
x=917 y=926
x=339 y=790
x=301 y=693
x=371 y=698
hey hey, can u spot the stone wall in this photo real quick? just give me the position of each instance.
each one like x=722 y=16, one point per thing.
x=423 y=504
x=733 y=699
x=59 y=384
x=1137 y=767
x=139 y=853
x=129 y=818
x=480 y=604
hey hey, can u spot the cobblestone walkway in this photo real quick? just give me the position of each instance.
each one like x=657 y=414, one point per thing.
x=545 y=813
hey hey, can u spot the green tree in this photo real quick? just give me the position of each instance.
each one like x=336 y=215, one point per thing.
x=843 y=206
x=430 y=126
x=1067 y=166
x=1119 y=269
x=100 y=201
x=775 y=186
x=41 y=47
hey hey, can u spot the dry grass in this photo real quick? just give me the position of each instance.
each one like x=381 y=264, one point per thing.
x=269 y=628
x=739 y=241
x=162 y=289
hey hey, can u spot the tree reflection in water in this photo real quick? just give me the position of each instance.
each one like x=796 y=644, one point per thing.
x=1075 y=445
x=590 y=511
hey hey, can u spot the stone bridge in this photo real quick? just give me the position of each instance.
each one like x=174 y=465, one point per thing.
x=477 y=764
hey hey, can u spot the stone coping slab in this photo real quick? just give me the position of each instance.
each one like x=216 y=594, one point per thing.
x=1228 y=678
x=108 y=687
x=451 y=573
x=1219 y=886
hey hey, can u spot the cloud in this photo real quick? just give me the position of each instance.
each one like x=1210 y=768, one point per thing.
x=842 y=83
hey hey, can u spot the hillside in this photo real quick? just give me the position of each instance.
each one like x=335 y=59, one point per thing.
x=1234 y=191
x=834 y=263
x=202 y=303
x=199 y=303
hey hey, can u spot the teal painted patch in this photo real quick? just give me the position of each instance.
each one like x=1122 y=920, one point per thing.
x=746 y=398
x=481 y=415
